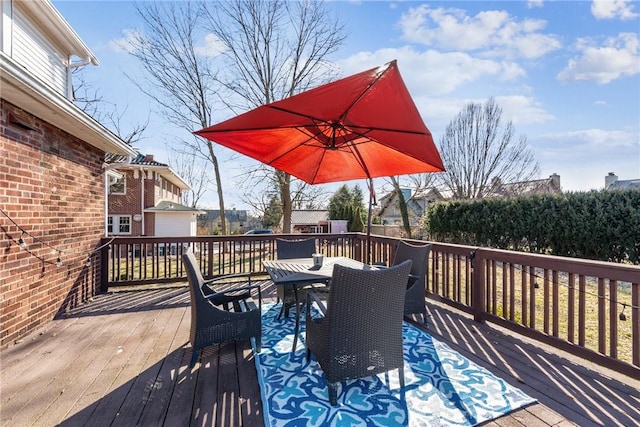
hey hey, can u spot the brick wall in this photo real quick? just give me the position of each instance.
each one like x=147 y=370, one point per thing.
x=52 y=186
x=129 y=203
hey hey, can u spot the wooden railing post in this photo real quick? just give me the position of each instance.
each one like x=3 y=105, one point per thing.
x=104 y=266
x=478 y=285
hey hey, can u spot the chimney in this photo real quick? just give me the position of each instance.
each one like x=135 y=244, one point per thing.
x=609 y=180
x=148 y=158
x=555 y=181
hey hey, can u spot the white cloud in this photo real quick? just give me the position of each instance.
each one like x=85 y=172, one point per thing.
x=534 y=3
x=523 y=110
x=212 y=46
x=597 y=137
x=583 y=158
x=491 y=32
x=433 y=73
x=131 y=41
x=610 y=9
x=617 y=57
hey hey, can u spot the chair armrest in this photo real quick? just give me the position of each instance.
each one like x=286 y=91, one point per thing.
x=238 y=289
x=208 y=282
x=313 y=297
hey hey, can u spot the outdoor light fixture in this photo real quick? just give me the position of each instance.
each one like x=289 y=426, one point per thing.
x=622 y=316
x=89 y=261
x=21 y=242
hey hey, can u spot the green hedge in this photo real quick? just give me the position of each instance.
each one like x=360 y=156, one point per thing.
x=600 y=225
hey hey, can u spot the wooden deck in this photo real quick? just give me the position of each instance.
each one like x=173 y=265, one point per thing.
x=123 y=360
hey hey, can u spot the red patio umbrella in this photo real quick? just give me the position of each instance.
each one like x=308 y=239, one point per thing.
x=360 y=127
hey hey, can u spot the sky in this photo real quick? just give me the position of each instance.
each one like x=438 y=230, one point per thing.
x=566 y=73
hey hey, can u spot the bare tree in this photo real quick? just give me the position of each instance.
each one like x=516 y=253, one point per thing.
x=192 y=168
x=402 y=205
x=272 y=50
x=89 y=99
x=179 y=74
x=478 y=151
x=261 y=185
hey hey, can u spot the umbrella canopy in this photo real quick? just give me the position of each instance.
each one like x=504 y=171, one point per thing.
x=358 y=127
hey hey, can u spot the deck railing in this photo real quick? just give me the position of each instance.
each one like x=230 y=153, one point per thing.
x=588 y=308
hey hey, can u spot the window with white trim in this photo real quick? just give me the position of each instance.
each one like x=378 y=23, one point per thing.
x=119 y=187
x=119 y=224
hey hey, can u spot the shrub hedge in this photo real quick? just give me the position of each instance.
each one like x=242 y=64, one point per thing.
x=601 y=225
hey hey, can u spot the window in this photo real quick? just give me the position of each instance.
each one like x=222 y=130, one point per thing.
x=119 y=187
x=119 y=224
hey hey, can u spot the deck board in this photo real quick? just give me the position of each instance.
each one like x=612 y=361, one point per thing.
x=123 y=360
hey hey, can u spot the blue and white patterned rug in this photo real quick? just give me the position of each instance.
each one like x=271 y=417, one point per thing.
x=442 y=388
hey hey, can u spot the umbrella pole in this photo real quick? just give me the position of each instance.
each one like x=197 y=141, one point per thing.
x=371 y=197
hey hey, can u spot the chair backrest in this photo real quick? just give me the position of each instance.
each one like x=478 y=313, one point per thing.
x=191 y=266
x=419 y=254
x=365 y=310
x=195 y=290
x=288 y=249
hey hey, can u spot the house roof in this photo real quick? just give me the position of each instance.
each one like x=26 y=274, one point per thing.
x=308 y=217
x=147 y=163
x=166 y=206
x=233 y=215
x=23 y=89
x=625 y=184
x=550 y=185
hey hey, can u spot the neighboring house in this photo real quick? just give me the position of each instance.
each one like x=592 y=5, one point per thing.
x=145 y=199
x=549 y=185
x=210 y=223
x=417 y=204
x=309 y=221
x=315 y=221
x=611 y=182
x=52 y=174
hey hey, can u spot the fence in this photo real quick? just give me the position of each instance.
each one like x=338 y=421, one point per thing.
x=588 y=308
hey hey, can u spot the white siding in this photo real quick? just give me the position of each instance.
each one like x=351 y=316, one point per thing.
x=37 y=54
x=175 y=224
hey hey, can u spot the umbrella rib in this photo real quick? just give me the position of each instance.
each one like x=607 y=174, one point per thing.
x=316 y=120
x=359 y=97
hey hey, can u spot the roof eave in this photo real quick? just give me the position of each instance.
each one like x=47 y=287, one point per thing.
x=23 y=90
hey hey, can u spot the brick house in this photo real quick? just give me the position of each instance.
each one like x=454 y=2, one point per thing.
x=145 y=199
x=52 y=171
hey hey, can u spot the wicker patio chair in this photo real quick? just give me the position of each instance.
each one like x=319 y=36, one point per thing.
x=415 y=297
x=289 y=249
x=211 y=324
x=360 y=333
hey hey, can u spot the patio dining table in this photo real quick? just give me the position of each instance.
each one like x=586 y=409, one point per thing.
x=300 y=272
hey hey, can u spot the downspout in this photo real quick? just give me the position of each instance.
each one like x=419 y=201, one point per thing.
x=70 y=68
x=106 y=191
x=143 y=178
